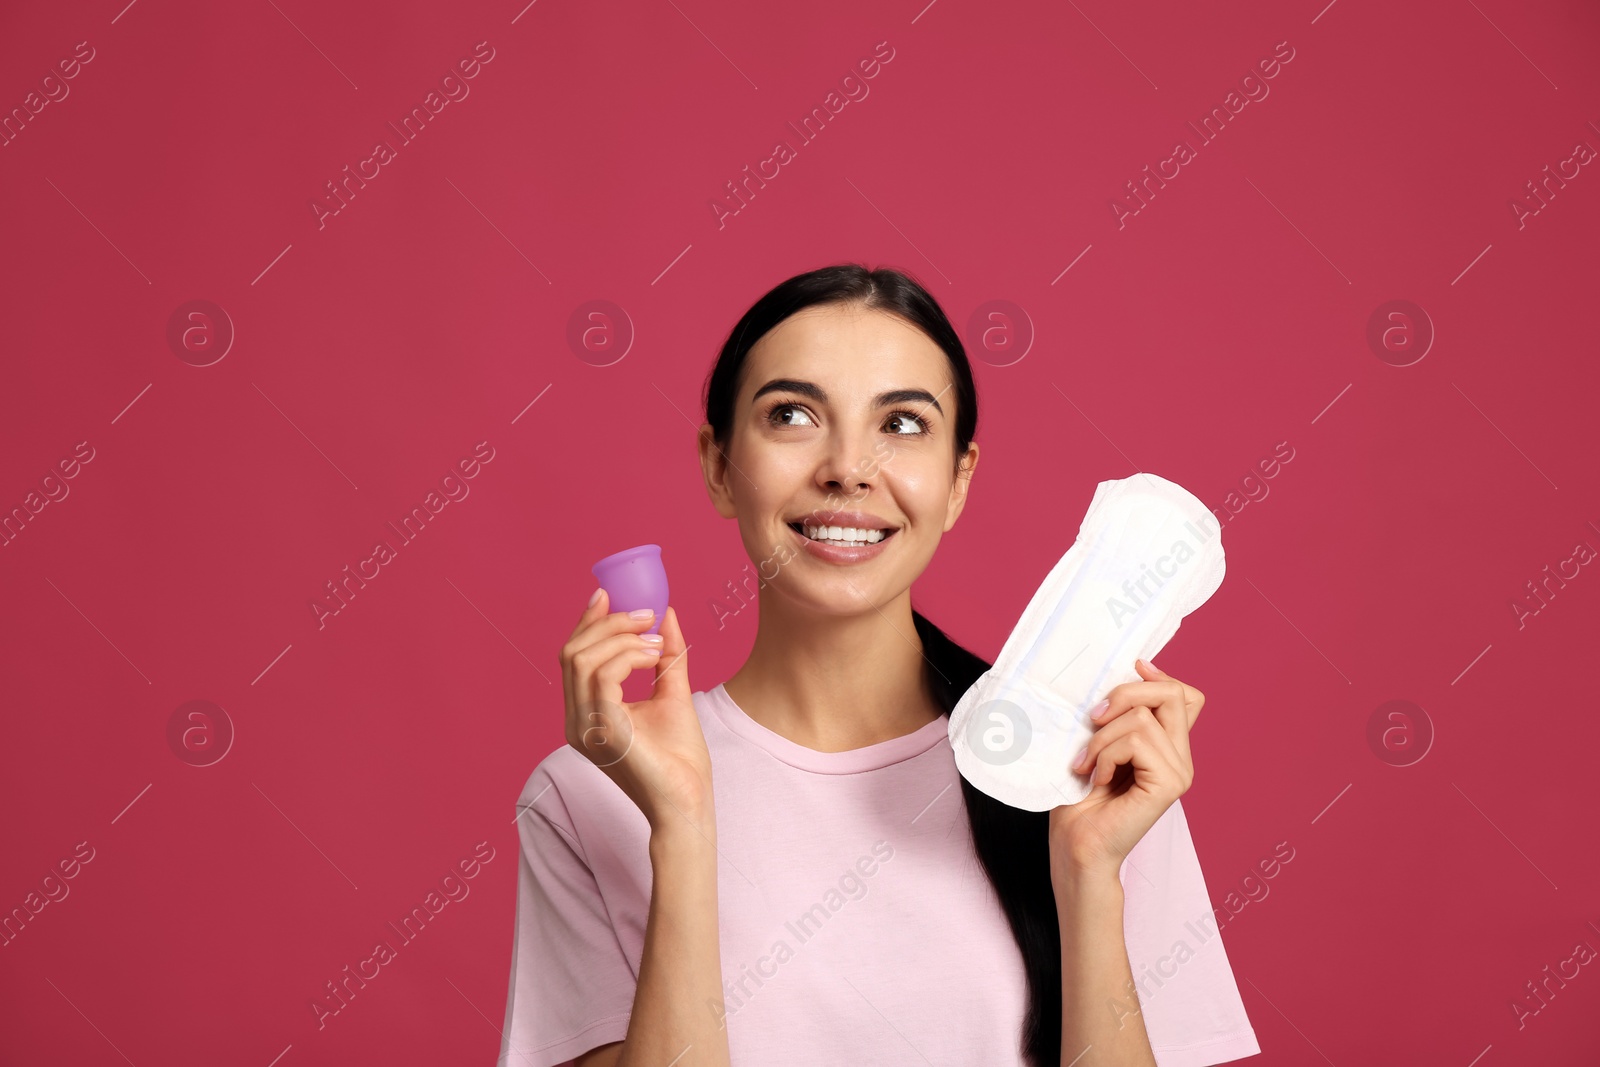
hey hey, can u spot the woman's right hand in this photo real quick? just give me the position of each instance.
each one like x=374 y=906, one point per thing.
x=653 y=749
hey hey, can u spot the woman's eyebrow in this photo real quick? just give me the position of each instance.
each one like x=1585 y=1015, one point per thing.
x=816 y=392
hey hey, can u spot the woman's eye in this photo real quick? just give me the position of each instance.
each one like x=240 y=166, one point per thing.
x=901 y=416
x=773 y=414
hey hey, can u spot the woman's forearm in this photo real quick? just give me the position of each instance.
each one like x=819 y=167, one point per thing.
x=678 y=1007
x=1101 y=1025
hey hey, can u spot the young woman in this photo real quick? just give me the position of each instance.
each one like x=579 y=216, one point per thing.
x=788 y=868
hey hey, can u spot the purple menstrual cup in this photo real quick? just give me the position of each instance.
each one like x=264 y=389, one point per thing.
x=634 y=578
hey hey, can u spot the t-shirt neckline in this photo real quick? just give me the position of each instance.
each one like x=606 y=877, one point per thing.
x=849 y=761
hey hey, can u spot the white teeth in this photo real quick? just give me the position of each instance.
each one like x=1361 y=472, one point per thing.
x=844 y=535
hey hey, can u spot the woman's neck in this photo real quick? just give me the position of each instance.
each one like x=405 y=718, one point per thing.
x=836 y=683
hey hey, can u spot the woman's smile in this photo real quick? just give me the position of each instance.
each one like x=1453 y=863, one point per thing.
x=851 y=533
x=855 y=547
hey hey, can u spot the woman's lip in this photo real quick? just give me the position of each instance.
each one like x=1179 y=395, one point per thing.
x=841 y=553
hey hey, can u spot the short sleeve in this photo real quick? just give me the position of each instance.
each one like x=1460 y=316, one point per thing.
x=1192 y=1011
x=571 y=987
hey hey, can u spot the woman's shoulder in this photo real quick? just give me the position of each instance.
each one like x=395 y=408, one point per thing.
x=568 y=788
x=564 y=774
x=565 y=767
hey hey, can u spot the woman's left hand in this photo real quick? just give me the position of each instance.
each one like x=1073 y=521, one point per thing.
x=1138 y=762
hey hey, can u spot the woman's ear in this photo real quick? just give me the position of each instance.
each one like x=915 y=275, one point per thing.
x=714 y=467
x=958 y=491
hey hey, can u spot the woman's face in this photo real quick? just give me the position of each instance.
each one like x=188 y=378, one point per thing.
x=841 y=409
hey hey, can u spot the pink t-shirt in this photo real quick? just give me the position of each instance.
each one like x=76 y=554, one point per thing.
x=856 y=922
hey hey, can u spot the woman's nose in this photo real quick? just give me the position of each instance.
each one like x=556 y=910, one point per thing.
x=847 y=465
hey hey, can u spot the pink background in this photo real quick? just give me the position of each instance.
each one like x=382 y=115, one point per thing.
x=375 y=349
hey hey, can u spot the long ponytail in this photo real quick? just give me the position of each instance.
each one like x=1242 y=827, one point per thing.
x=1014 y=848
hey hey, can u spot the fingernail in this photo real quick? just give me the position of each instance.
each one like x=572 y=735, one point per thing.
x=1100 y=709
x=596 y=597
x=1077 y=764
x=651 y=639
x=653 y=651
x=641 y=614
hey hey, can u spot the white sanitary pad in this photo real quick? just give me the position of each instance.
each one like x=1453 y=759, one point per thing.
x=1147 y=553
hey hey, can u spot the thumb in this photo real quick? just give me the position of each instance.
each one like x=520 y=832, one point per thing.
x=672 y=673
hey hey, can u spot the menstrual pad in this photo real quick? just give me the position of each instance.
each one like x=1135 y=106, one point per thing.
x=1147 y=553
